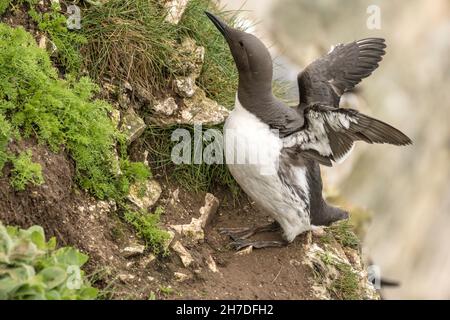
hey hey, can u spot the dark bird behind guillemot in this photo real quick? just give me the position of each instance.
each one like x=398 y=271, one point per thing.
x=296 y=140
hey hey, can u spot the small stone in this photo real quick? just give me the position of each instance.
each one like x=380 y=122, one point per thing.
x=133 y=250
x=185 y=86
x=245 y=251
x=181 y=277
x=208 y=211
x=132 y=125
x=212 y=266
x=175 y=10
x=193 y=230
x=318 y=231
x=115 y=117
x=145 y=195
x=169 y=240
x=146 y=261
x=124 y=277
x=167 y=106
x=185 y=256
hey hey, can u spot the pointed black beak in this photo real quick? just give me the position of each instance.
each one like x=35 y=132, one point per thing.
x=218 y=23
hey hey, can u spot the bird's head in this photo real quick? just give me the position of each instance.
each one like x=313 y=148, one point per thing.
x=251 y=56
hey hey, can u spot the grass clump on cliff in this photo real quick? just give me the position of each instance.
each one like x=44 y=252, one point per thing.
x=60 y=113
x=195 y=177
x=130 y=41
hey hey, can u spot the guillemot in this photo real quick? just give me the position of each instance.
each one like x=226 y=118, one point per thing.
x=295 y=141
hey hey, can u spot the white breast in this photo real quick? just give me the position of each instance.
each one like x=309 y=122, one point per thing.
x=252 y=153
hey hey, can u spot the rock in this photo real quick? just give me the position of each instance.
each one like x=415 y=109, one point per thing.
x=133 y=250
x=175 y=10
x=200 y=109
x=185 y=86
x=197 y=109
x=181 y=277
x=245 y=251
x=124 y=277
x=169 y=240
x=166 y=106
x=181 y=251
x=212 y=266
x=115 y=117
x=144 y=196
x=47 y=44
x=132 y=125
x=330 y=265
x=146 y=261
x=190 y=58
x=192 y=230
x=208 y=211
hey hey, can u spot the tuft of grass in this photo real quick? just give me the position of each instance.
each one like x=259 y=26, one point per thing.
x=146 y=225
x=195 y=177
x=129 y=41
x=346 y=285
x=25 y=171
x=343 y=233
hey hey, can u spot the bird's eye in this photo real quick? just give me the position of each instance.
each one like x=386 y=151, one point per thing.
x=241 y=44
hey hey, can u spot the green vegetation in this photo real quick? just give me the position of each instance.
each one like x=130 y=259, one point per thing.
x=25 y=171
x=31 y=267
x=130 y=41
x=147 y=228
x=67 y=42
x=219 y=76
x=343 y=233
x=4 y=4
x=345 y=285
x=195 y=177
x=59 y=112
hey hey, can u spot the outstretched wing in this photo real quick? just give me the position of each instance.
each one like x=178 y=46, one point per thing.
x=327 y=78
x=329 y=133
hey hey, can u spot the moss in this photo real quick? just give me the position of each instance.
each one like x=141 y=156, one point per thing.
x=147 y=228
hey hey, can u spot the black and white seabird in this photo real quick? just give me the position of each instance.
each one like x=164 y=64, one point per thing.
x=297 y=140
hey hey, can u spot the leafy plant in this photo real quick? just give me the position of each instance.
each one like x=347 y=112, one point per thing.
x=25 y=171
x=31 y=267
x=58 y=112
x=146 y=225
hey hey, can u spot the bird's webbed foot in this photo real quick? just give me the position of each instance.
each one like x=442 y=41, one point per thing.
x=257 y=244
x=247 y=232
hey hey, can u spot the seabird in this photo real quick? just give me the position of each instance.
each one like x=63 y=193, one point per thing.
x=296 y=140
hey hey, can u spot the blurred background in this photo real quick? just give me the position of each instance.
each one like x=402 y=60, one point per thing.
x=407 y=189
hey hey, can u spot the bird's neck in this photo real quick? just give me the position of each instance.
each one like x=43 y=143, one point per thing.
x=253 y=94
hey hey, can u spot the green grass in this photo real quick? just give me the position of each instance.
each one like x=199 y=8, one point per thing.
x=194 y=177
x=346 y=285
x=130 y=41
x=147 y=227
x=343 y=233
